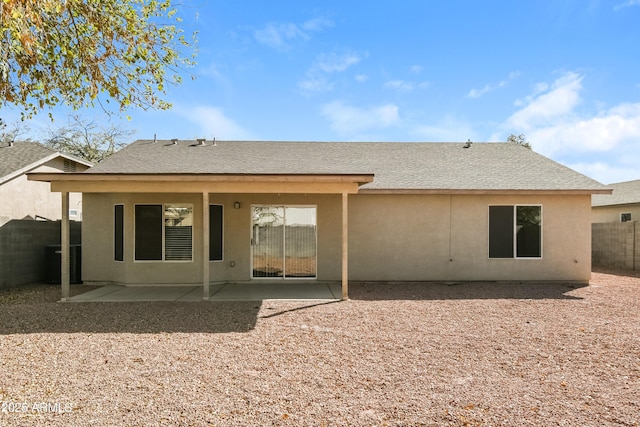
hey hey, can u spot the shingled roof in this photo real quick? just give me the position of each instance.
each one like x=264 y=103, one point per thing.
x=20 y=157
x=624 y=193
x=395 y=165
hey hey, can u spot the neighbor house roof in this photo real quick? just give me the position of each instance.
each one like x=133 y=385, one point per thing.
x=395 y=165
x=21 y=157
x=624 y=193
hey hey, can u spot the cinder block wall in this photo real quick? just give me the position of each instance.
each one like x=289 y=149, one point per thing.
x=616 y=245
x=22 y=249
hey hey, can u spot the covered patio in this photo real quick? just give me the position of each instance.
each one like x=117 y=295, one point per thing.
x=203 y=186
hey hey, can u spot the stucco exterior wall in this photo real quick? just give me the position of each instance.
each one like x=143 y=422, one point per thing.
x=444 y=237
x=391 y=238
x=98 y=229
x=24 y=199
x=612 y=213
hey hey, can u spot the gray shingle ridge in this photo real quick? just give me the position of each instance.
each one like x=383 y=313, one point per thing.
x=624 y=193
x=20 y=155
x=396 y=165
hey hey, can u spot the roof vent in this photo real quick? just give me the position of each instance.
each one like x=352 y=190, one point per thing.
x=467 y=144
x=201 y=141
x=214 y=142
x=174 y=141
x=11 y=143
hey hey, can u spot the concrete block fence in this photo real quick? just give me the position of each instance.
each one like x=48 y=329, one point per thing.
x=22 y=249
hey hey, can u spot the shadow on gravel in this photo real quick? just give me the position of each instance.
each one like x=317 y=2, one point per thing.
x=616 y=271
x=380 y=291
x=291 y=310
x=129 y=317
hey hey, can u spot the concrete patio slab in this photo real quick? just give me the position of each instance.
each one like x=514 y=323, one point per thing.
x=219 y=292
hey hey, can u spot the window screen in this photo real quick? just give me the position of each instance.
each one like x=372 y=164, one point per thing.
x=118 y=233
x=215 y=232
x=148 y=232
x=624 y=217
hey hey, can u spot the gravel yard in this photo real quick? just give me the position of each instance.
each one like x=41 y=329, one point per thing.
x=473 y=354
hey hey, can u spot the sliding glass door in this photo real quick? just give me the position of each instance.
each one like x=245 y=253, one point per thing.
x=283 y=241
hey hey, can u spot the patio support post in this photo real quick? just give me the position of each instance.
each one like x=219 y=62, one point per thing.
x=64 y=241
x=205 y=246
x=345 y=246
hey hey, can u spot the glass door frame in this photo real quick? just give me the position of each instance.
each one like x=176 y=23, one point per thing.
x=284 y=248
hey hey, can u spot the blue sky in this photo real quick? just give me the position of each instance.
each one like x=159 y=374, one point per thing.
x=566 y=73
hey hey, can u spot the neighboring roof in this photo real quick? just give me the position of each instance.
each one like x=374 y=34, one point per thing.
x=395 y=165
x=624 y=193
x=21 y=157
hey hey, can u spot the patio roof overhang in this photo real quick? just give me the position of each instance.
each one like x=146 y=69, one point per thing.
x=203 y=183
x=65 y=183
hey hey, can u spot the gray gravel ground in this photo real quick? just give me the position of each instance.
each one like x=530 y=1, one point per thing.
x=473 y=354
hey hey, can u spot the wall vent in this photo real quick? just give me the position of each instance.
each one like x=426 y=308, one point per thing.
x=69 y=166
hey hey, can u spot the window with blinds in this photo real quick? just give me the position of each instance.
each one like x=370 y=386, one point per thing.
x=178 y=232
x=163 y=232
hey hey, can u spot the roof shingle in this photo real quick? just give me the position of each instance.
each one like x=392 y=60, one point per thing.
x=20 y=155
x=624 y=193
x=396 y=165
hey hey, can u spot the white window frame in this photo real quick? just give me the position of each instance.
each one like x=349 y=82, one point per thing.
x=515 y=231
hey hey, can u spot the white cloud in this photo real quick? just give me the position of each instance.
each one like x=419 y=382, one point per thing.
x=477 y=93
x=212 y=122
x=399 y=85
x=607 y=173
x=538 y=88
x=333 y=61
x=350 y=121
x=405 y=86
x=547 y=107
x=551 y=121
x=317 y=24
x=361 y=78
x=416 y=69
x=315 y=85
x=627 y=3
x=316 y=78
x=280 y=35
x=210 y=70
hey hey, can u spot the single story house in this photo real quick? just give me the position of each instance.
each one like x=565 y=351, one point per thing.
x=24 y=199
x=200 y=212
x=622 y=205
